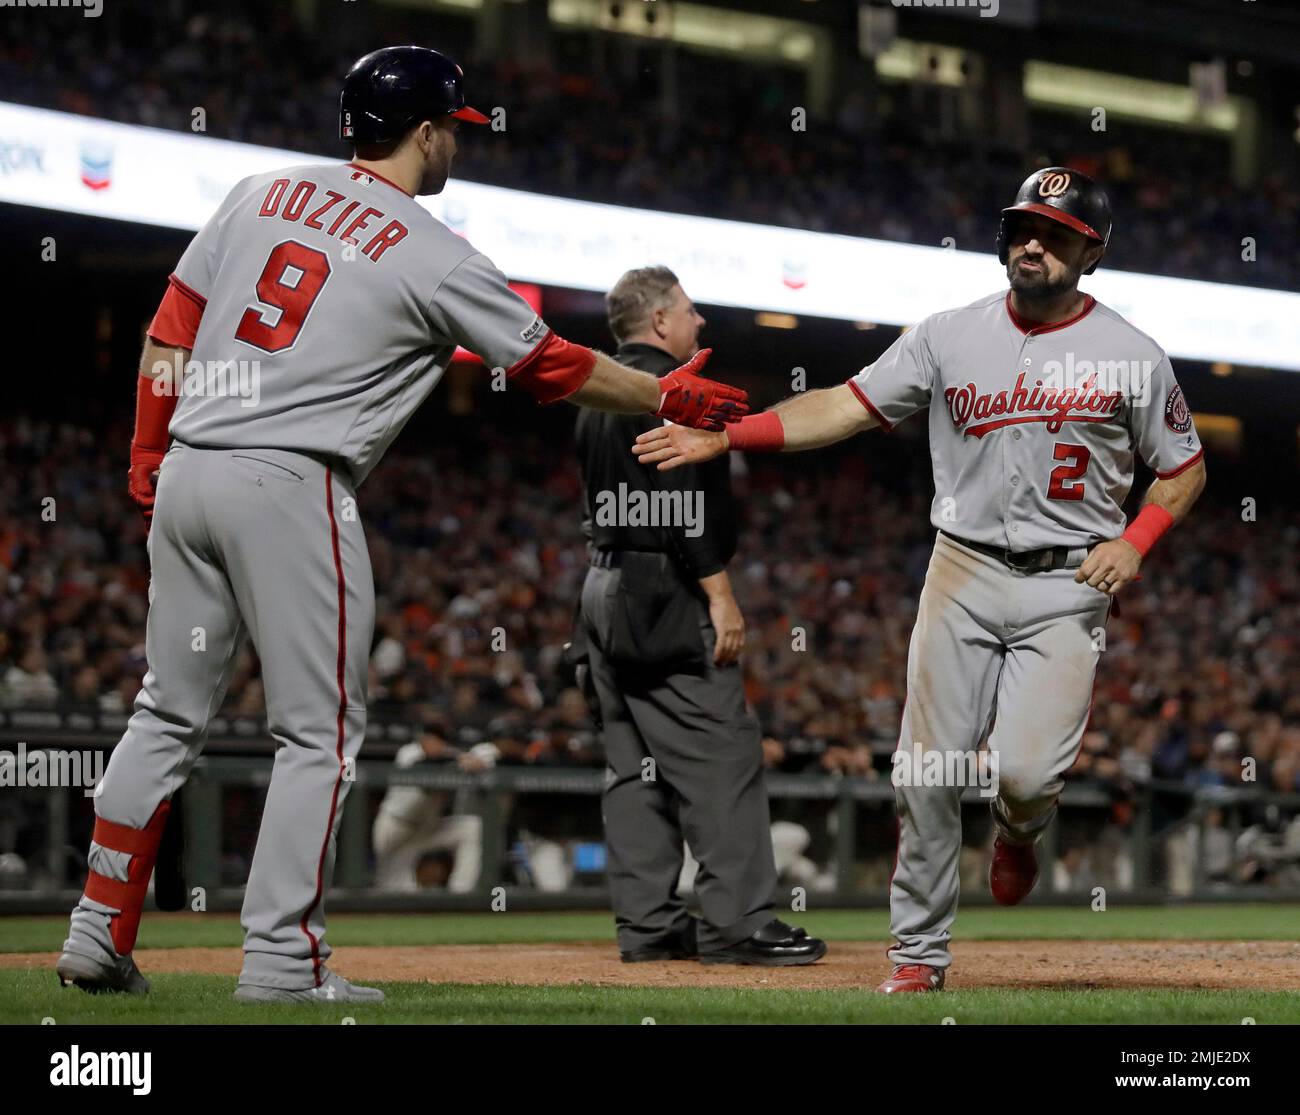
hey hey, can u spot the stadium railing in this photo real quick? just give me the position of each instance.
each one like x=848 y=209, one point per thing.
x=1216 y=835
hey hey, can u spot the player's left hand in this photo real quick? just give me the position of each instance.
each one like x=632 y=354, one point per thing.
x=671 y=447
x=142 y=479
x=689 y=399
x=1109 y=566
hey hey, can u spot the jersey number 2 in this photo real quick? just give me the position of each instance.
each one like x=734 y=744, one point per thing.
x=1066 y=482
x=293 y=299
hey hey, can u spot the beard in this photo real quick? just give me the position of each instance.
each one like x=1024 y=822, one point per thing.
x=435 y=177
x=1039 y=286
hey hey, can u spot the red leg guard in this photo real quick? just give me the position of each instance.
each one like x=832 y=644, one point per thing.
x=127 y=896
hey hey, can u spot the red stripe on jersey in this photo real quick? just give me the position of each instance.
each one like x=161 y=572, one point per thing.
x=1181 y=468
x=1034 y=328
x=340 y=663
x=885 y=424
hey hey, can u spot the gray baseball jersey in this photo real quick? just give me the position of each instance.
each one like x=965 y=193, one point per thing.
x=1032 y=436
x=334 y=301
x=331 y=304
x=1033 y=430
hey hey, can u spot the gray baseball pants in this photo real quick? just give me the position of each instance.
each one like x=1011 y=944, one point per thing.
x=269 y=544
x=991 y=647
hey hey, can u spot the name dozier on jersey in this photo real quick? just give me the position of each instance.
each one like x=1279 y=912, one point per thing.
x=392 y=233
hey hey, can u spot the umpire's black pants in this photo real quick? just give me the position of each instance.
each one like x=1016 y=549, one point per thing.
x=707 y=787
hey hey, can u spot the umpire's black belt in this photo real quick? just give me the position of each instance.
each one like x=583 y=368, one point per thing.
x=1027 y=561
x=612 y=559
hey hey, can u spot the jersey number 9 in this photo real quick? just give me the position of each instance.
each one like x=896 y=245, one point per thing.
x=309 y=269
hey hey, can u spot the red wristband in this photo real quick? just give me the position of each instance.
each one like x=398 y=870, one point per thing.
x=1145 y=531
x=759 y=433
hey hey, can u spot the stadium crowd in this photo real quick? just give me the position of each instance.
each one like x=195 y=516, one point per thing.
x=478 y=559
x=718 y=141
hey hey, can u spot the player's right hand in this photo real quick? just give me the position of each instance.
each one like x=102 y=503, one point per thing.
x=142 y=479
x=671 y=447
x=690 y=399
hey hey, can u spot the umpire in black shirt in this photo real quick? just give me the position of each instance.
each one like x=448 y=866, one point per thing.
x=664 y=636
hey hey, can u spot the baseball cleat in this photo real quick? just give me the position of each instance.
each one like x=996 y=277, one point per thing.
x=1013 y=872
x=333 y=989
x=775 y=945
x=75 y=969
x=912 y=977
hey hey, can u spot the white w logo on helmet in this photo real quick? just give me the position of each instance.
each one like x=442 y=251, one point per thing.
x=1054 y=184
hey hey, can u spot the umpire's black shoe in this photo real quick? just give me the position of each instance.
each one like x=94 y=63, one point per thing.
x=675 y=946
x=776 y=945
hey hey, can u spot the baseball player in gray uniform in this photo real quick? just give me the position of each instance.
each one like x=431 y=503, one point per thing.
x=1039 y=398
x=304 y=324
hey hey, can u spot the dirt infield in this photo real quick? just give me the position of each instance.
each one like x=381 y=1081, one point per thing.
x=1214 y=965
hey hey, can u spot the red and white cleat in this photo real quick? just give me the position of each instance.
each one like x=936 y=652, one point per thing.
x=1013 y=873
x=912 y=977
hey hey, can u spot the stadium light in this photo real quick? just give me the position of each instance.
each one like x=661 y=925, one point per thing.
x=1138 y=98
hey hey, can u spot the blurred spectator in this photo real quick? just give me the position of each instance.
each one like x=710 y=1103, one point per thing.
x=477 y=569
x=1202 y=671
x=414 y=825
x=28 y=683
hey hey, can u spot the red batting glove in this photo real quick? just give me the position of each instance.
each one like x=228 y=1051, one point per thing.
x=153 y=413
x=142 y=477
x=690 y=399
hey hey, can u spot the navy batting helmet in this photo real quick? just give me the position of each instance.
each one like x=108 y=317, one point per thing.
x=1064 y=195
x=389 y=91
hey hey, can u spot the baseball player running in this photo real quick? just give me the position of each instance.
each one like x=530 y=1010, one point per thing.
x=336 y=295
x=1038 y=399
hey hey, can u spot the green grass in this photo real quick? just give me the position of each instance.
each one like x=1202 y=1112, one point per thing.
x=28 y=997
x=1260 y=922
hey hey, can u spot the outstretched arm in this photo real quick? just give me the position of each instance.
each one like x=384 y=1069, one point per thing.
x=808 y=421
x=820 y=418
x=592 y=379
x=614 y=387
